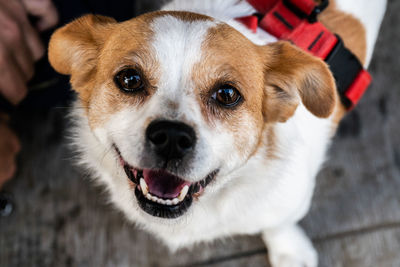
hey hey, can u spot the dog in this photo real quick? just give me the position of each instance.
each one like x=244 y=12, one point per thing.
x=200 y=128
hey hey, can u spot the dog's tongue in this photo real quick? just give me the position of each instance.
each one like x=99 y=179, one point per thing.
x=163 y=184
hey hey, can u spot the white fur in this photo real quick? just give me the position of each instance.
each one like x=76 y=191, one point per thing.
x=260 y=196
x=289 y=246
x=226 y=11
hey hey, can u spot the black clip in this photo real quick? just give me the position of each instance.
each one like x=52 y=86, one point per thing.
x=312 y=18
x=317 y=10
x=345 y=67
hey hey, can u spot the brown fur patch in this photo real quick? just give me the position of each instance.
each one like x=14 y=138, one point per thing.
x=229 y=58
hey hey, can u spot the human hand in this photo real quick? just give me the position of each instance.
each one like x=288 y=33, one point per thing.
x=45 y=11
x=9 y=147
x=20 y=45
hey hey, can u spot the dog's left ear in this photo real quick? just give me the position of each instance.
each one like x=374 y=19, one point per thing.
x=75 y=48
x=78 y=43
x=291 y=76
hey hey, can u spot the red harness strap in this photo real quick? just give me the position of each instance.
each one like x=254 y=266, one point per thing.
x=295 y=21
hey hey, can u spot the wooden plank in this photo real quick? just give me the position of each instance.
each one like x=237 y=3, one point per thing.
x=254 y=260
x=379 y=248
x=376 y=247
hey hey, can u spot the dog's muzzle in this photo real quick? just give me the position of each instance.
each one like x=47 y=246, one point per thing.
x=160 y=191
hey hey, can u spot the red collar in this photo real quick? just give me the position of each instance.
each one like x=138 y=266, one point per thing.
x=296 y=21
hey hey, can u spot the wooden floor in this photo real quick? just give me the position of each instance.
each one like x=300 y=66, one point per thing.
x=62 y=219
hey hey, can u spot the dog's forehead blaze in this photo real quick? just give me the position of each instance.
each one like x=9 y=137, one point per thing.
x=131 y=44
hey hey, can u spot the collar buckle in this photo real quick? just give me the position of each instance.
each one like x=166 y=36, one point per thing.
x=306 y=9
x=317 y=10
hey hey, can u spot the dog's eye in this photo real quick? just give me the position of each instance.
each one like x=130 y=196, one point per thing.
x=129 y=80
x=227 y=95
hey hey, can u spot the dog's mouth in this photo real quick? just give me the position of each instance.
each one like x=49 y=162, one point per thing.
x=161 y=193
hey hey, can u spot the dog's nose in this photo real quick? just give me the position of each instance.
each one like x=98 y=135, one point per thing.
x=170 y=139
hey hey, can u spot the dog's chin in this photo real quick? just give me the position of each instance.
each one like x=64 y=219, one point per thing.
x=161 y=193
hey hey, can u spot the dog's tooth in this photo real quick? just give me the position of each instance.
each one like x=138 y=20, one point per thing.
x=168 y=202
x=160 y=201
x=148 y=196
x=183 y=192
x=154 y=198
x=175 y=201
x=143 y=186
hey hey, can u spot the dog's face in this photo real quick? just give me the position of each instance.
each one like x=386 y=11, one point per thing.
x=183 y=101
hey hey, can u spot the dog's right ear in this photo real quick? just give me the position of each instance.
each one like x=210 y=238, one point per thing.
x=292 y=75
x=75 y=47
